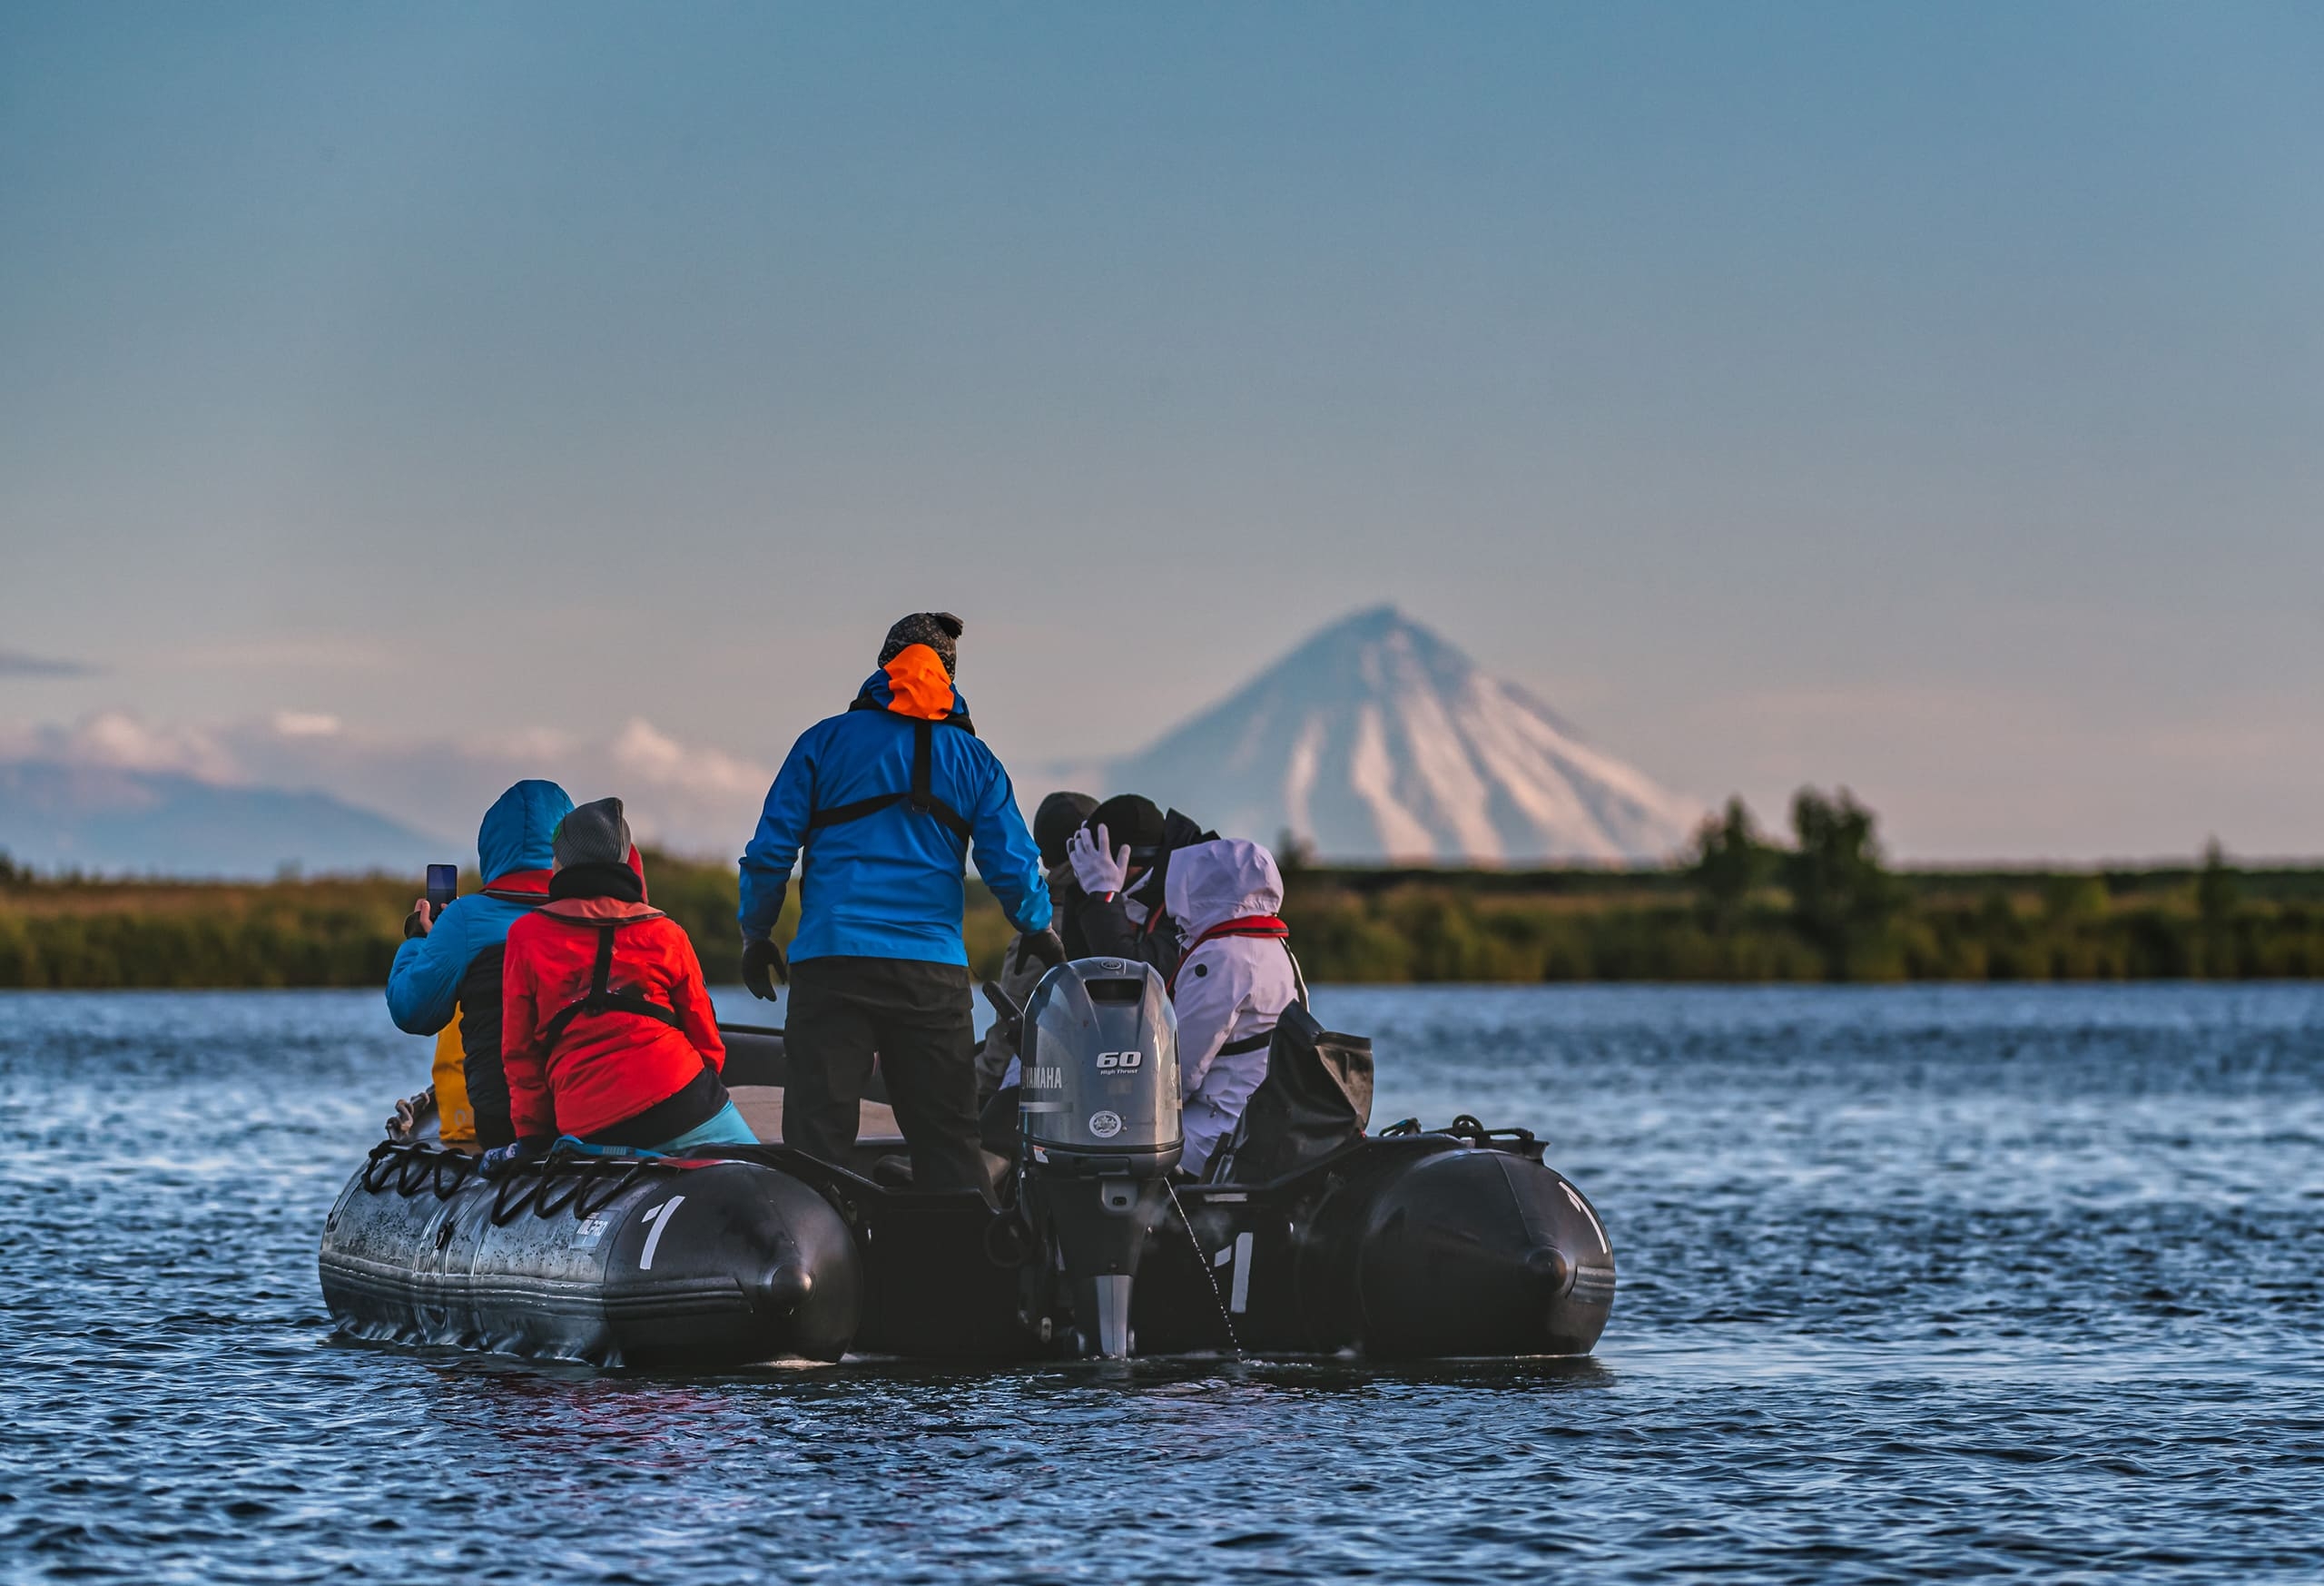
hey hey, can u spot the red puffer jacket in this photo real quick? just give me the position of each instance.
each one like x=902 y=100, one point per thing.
x=609 y=1064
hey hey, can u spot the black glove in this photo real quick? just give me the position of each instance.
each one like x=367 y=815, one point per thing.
x=763 y=965
x=500 y=1159
x=415 y=926
x=1043 y=945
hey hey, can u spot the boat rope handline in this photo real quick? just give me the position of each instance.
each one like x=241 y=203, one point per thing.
x=1202 y=1259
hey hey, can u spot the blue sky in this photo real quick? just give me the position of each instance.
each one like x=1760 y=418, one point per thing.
x=1923 y=397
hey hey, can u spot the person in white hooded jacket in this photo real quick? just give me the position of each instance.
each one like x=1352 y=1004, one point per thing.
x=1233 y=982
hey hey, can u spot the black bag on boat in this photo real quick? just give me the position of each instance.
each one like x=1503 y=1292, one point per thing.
x=1315 y=1099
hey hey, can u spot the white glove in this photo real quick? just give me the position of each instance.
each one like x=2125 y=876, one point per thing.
x=1099 y=867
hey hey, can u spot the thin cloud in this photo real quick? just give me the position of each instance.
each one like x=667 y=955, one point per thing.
x=17 y=664
x=119 y=741
x=691 y=797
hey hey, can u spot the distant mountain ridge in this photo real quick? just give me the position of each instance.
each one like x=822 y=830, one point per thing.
x=1373 y=741
x=1377 y=740
x=113 y=822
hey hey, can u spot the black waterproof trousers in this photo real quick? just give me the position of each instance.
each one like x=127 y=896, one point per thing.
x=919 y=1019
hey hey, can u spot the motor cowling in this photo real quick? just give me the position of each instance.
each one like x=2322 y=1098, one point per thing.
x=1101 y=1091
x=1099 y=1110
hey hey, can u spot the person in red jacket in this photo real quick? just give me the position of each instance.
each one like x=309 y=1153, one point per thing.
x=606 y=1029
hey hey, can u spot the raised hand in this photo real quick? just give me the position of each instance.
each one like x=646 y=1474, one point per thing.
x=1099 y=867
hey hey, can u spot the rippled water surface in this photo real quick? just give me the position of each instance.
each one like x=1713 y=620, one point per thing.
x=1913 y=1282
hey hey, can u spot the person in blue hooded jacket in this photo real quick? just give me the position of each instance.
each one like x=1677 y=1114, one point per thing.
x=882 y=806
x=445 y=979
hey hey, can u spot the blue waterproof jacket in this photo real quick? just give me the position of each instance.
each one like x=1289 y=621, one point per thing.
x=887 y=882
x=513 y=854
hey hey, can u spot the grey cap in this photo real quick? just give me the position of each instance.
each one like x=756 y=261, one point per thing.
x=939 y=630
x=593 y=833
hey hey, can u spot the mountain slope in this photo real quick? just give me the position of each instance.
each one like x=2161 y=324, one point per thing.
x=1377 y=740
x=108 y=821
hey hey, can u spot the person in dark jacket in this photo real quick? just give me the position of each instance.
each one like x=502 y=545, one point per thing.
x=607 y=1030
x=882 y=804
x=1120 y=859
x=1029 y=957
x=445 y=979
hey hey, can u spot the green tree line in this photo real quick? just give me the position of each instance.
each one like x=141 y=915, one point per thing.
x=1823 y=906
x=1822 y=903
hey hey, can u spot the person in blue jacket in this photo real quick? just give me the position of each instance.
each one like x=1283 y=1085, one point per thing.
x=450 y=965
x=882 y=804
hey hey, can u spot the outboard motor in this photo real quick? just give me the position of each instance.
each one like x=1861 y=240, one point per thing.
x=1099 y=1112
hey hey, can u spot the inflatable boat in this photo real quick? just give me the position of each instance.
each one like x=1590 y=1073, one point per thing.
x=1308 y=1235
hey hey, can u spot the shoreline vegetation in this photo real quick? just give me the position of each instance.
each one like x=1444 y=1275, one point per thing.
x=1821 y=905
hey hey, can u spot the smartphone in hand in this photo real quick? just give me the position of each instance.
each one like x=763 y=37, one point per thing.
x=443 y=886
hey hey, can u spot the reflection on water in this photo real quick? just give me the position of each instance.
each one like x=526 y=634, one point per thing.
x=1913 y=1282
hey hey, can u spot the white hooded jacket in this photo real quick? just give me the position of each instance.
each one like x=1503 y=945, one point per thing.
x=1229 y=989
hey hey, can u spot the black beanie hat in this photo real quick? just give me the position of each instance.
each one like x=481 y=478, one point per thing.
x=592 y=833
x=1130 y=818
x=1054 y=821
x=939 y=630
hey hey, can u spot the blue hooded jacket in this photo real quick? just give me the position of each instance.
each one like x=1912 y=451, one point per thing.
x=890 y=884
x=424 y=986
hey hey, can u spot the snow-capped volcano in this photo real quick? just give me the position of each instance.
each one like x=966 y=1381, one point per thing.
x=1377 y=740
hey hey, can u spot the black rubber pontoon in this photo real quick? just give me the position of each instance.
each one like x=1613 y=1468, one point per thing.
x=1407 y=1244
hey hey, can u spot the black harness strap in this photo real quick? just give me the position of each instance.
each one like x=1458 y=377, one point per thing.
x=921 y=795
x=605 y=998
x=1249 y=1043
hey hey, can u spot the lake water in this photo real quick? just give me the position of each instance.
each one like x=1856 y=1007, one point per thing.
x=1914 y=1283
